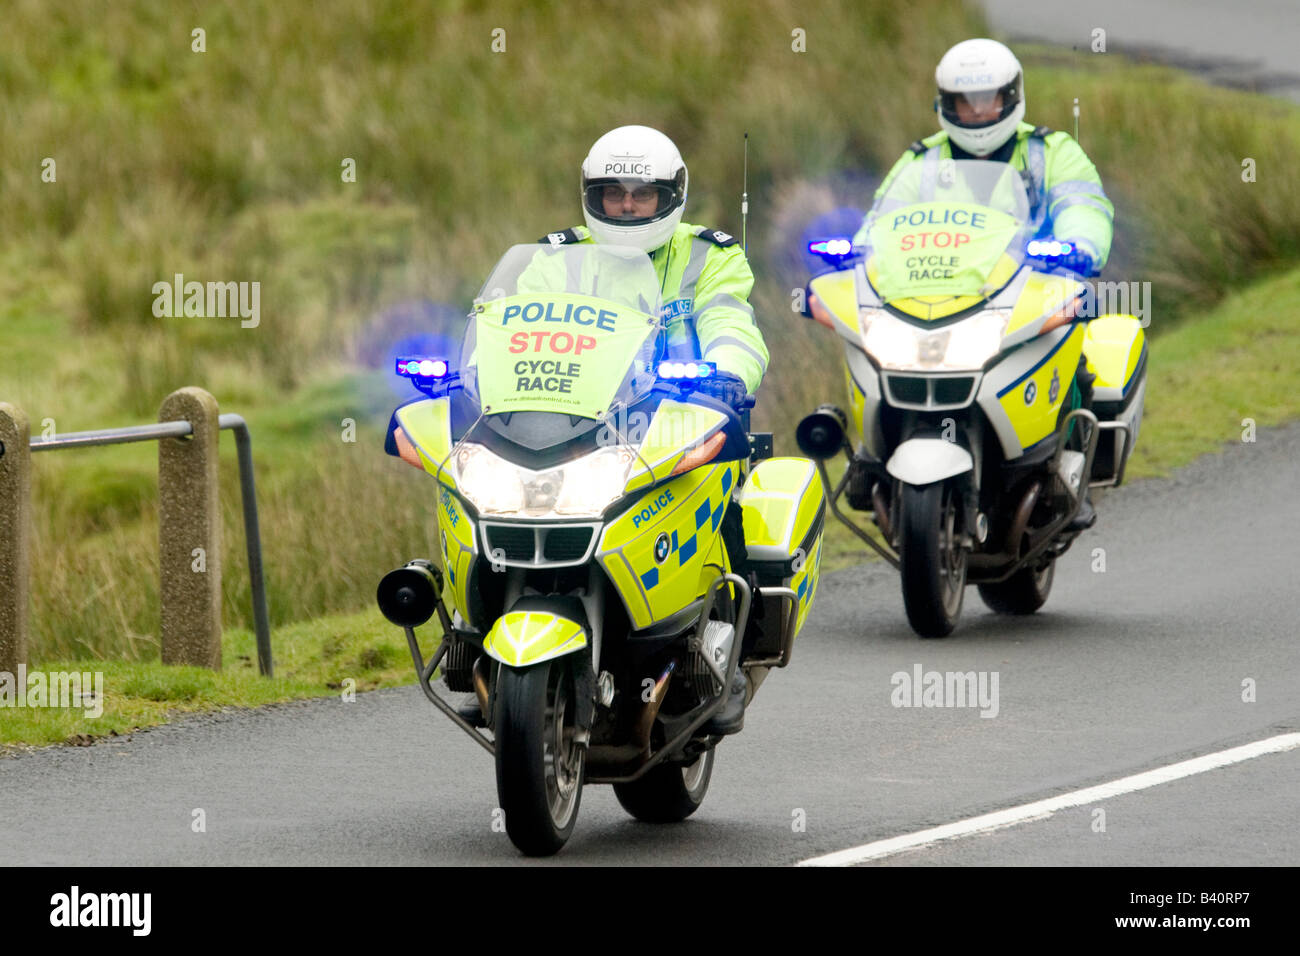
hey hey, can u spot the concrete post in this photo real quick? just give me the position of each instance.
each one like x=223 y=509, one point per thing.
x=15 y=544
x=189 y=532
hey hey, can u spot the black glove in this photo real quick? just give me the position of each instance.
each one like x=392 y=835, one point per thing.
x=1076 y=260
x=1079 y=262
x=725 y=387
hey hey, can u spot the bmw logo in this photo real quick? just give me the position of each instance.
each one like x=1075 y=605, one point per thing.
x=661 y=549
x=1031 y=391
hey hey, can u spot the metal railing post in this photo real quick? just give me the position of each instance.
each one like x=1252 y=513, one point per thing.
x=252 y=539
x=15 y=545
x=189 y=532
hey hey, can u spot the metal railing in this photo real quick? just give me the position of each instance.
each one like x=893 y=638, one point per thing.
x=248 y=495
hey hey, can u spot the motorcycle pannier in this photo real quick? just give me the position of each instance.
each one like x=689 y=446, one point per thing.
x=1116 y=348
x=783 y=505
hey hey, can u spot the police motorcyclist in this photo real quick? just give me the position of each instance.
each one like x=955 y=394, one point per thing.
x=981 y=105
x=634 y=186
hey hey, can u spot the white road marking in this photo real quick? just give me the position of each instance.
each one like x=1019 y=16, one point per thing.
x=1042 y=809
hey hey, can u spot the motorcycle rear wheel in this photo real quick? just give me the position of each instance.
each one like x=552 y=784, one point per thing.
x=672 y=792
x=932 y=563
x=669 y=793
x=1022 y=593
x=540 y=766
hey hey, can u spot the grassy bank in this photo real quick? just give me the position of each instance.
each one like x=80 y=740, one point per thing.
x=332 y=657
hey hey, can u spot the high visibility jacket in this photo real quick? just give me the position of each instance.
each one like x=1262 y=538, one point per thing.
x=1064 y=189
x=705 y=284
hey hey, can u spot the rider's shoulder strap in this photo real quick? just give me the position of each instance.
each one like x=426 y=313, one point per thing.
x=567 y=237
x=1036 y=165
x=716 y=236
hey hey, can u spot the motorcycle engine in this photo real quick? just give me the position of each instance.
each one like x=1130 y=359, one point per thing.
x=718 y=639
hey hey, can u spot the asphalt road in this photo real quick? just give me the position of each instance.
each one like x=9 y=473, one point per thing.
x=1248 y=44
x=1125 y=670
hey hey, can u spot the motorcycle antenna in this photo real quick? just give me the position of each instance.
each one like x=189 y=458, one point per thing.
x=744 y=201
x=1076 y=119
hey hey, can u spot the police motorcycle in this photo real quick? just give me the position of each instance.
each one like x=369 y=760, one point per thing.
x=609 y=557
x=962 y=338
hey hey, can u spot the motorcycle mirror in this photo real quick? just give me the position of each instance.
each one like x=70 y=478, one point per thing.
x=821 y=434
x=409 y=596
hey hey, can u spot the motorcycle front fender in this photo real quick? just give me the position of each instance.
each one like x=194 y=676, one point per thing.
x=521 y=638
x=923 y=461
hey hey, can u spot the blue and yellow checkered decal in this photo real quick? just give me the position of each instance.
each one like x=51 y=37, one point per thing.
x=706 y=512
x=657 y=556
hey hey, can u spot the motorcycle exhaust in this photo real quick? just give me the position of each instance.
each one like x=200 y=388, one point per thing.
x=821 y=434
x=1020 y=522
x=646 y=719
x=881 y=511
x=409 y=596
x=480 y=677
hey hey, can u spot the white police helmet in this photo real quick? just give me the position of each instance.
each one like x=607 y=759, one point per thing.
x=976 y=72
x=633 y=188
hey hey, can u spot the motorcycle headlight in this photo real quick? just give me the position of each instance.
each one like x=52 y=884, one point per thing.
x=581 y=488
x=977 y=339
x=592 y=483
x=965 y=346
x=890 y=342
x=492 y=484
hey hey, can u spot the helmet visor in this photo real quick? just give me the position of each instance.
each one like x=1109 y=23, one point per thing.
x=976 y=108
x=631 y=201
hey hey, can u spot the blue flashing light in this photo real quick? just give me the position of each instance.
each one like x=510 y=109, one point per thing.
x=831 y=247
x=422 y=367
x=687 y=371
x=1049 y=248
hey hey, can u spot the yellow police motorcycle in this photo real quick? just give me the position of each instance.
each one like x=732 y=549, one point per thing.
x=962 y=339
x=609 y=555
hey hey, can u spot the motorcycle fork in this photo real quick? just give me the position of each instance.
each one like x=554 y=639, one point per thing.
x=965 y=427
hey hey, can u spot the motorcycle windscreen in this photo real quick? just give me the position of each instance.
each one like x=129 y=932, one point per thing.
x=569 y=329
x=941 y=229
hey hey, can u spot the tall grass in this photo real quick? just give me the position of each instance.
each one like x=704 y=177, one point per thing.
x=226 y=165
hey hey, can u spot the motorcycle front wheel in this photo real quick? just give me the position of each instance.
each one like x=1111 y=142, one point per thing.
x=932 y=562
x=540 y=764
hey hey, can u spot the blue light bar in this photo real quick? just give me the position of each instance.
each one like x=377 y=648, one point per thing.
x=1049 y=249
x=686 y=371
x=831 y=247
x=419 y=367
